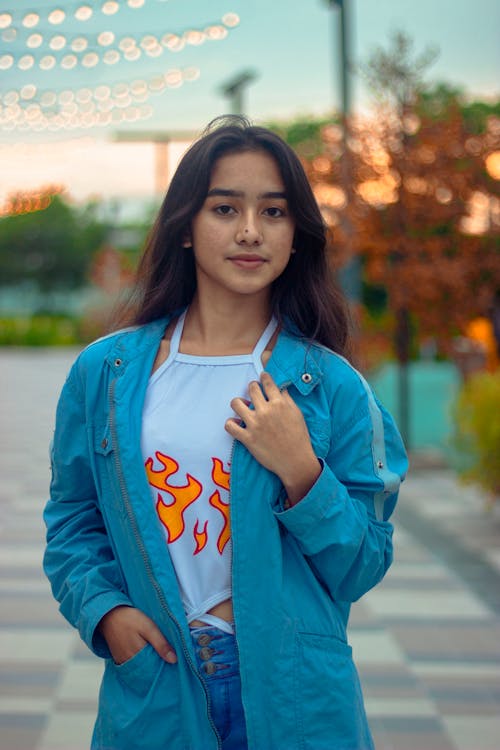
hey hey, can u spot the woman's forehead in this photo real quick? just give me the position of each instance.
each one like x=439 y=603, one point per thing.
x=247 y=168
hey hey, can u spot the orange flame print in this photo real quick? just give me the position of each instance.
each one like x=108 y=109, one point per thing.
x=221 y=479
x=201 y=537
x=172 y=515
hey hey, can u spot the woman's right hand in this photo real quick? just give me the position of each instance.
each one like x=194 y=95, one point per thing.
x=126 y=630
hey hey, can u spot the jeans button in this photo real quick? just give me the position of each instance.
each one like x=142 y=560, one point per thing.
x=204 y=639
x=206 y=652
x=210 y=667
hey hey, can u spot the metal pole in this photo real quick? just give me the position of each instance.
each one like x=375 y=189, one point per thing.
x=344 y=54
x=350 y=273
x=344 y=41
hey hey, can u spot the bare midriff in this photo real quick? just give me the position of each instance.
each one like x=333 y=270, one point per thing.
x=224 y=610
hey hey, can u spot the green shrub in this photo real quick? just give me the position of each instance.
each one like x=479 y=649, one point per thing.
x=476 y=417
x=39 y=330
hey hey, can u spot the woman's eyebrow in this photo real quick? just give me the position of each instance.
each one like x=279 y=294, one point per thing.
x=224 y=192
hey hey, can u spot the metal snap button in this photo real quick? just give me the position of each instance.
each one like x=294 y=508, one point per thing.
x=206 y=653
x=306 y=377
x=104 y=443
x=118 y=362
x=204 y=639
x=210 y=667
x=380 y=464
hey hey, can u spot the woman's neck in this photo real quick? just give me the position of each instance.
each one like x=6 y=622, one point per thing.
x=224 y=326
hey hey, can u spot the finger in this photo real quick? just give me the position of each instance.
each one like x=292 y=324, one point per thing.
x=153 y=635
x=270 y=388
x=239 y=406
x=256 y=394
x=236 y=430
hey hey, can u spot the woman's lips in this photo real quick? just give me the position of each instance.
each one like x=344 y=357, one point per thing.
x=247 y=261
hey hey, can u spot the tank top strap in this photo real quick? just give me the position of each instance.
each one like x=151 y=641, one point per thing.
x=176 y=336
x=262 y=343
x=255 y=356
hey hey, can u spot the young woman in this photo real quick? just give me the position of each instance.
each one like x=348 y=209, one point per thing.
x=222 y=476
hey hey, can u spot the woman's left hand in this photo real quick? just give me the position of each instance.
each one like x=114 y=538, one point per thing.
x=276 y=435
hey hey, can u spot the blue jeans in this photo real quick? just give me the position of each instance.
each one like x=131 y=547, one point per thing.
x=217 y=661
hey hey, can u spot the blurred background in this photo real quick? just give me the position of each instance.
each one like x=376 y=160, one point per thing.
x=394 y=109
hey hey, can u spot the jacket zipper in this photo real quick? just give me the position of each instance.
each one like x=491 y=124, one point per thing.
x=145 y=557
x=281 y=388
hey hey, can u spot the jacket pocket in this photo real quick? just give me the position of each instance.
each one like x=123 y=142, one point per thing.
x=139 y=706
x=328 y=700
x=138 y=671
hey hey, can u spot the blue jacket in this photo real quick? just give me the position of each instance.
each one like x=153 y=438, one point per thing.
x=295 y=572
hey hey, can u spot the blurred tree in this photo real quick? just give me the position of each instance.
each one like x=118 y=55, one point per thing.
x=431 y=232
x=303 y=134
x=424 y=204
x=45 y=240
x=395 y=77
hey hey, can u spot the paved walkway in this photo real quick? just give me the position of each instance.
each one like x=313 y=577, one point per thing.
x=426 y=641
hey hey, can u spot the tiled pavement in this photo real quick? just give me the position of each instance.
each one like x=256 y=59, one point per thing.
x=426 y=641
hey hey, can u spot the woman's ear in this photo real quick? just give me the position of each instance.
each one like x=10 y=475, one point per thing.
x=186 y=240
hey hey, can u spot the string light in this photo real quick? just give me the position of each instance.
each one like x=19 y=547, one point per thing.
x=47 y=48
x=106 y=38
x=230 y=20
x=79 y=44
x=29 y=109
x=47 y=62
x=28 y=91
x=30 y=20
x=6 y=62
x=26 y=62
x=81 y=12
x=34 y=41
x=69 y=61
x=131 y=47
x=5 y=20
x=111 y=57
x=110 y=7
x=24 y=202
x=57 y=42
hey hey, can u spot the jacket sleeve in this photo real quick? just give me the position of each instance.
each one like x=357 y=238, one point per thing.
x=342 y=524
x=79 y=561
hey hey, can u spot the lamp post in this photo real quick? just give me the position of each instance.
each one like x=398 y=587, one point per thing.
x=344 y=39
x=234 y=88
x=350 y=273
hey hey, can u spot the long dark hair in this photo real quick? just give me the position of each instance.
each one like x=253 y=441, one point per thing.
x=305 y=296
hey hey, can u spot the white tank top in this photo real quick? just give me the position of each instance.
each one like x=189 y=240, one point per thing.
x=187 y=456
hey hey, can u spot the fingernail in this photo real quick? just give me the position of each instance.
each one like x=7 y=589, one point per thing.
x=171 y=657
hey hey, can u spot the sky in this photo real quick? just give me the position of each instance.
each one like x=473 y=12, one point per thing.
x=291 y=48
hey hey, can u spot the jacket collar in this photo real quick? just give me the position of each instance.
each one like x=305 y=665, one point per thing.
x=294 y=360
x=137 y=341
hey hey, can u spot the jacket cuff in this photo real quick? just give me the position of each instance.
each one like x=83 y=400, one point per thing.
x=302 y=519
x=95 y=611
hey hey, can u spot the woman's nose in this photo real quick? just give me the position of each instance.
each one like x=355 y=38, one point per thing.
x=249 y=231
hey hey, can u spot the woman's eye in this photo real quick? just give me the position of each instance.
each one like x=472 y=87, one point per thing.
x=275 y=212
x=224 y=210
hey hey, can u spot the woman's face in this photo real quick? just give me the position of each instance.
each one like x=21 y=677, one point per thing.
x=242 y=236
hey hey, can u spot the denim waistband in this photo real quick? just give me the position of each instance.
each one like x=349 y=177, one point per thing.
x=216 y=652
